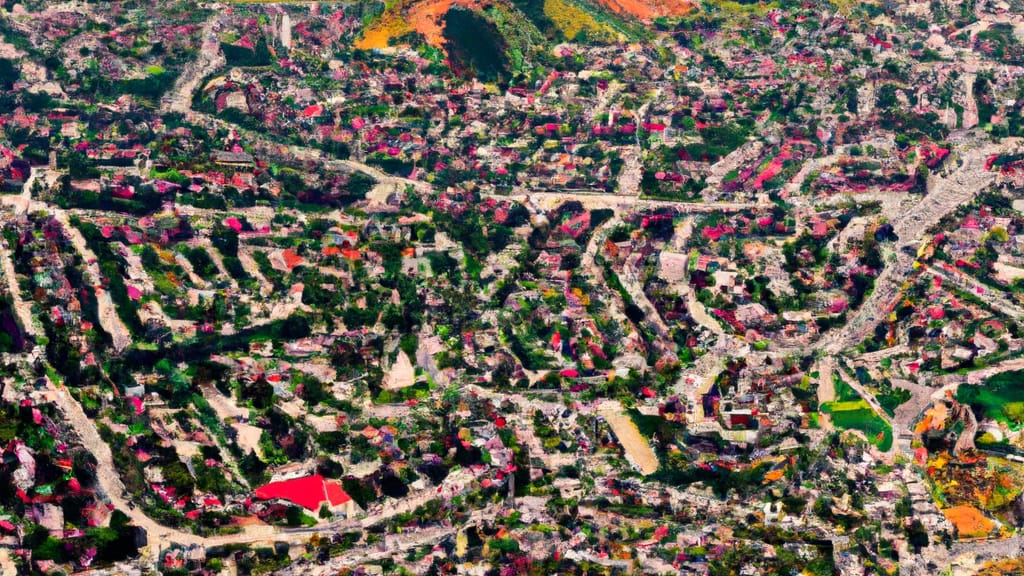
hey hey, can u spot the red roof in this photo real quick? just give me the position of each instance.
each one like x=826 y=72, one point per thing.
x=291 y=259
x=309 y=492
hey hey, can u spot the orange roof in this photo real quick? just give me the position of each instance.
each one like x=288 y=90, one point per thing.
x=291 y=259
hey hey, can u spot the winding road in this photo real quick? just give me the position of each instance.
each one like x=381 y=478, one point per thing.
x=945 y=194
x=210 y=59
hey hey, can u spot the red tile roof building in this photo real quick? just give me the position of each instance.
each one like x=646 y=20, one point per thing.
x=310 y=492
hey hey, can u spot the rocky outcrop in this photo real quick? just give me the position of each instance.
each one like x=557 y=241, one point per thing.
x=963 y=413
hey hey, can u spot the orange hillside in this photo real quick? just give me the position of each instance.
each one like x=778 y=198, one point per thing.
x=648 y=9
x=424 y=16
x=427 y=17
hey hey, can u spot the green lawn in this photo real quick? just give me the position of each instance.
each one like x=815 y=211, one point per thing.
x=892 y=398
x=843 y=390
x=1001 y=397
x=857 y=415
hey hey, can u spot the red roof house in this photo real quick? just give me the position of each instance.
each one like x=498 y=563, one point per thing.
x=310 y=492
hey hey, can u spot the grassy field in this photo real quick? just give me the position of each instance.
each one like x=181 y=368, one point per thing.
x=843 y=390
x=851 y=412
x=1001 y=397
x=892 y=398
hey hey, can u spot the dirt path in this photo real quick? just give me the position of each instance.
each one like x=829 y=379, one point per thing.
x=638 y=450
x=826 y=391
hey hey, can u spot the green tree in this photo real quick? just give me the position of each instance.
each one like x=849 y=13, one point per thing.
x=177 y=475
x=255 y=470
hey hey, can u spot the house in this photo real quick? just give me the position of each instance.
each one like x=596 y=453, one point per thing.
x=673 y=266
x=754 y=314
x=739 y=418
x=231 y=158
x=48 y=516
x=311 y=492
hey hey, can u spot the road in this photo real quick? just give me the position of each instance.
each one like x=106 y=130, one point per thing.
x=906 y=414
x=105 y=307
x=162 y=537
x=993 y=298
x=694 y=307
x=965 y=555
x=697 y=380
x=866 y=394
x=217 y=258
x=22 y=308
x=792 y=187
x=587 y=264
x=394 y=544
x=632 y=172
x=108 y=317
x=826 y=390
x=106 y=473
x=652 y=317
x=210 y=59
x=976 y=377
x=306 y=154
x=735 y=160
x=621 y=204
x=638 y=450
x=945 y=194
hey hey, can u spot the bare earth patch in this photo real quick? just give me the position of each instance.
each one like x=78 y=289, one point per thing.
x=638 y=450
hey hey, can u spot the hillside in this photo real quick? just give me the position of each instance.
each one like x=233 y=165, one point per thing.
x=648 y=9
x=599 y=21
x=425 y=17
